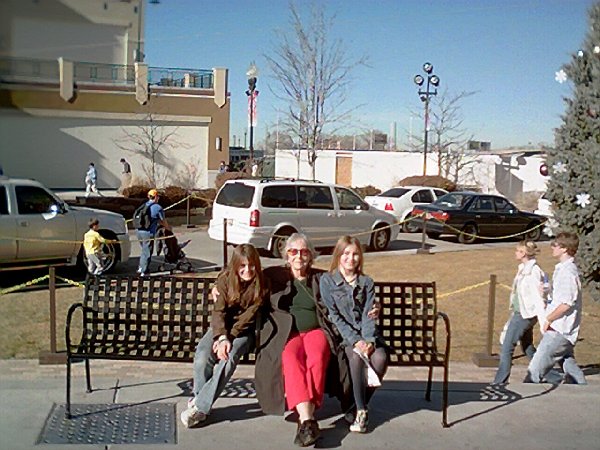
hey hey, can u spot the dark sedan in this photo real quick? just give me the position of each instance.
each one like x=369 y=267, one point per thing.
x=470 y=215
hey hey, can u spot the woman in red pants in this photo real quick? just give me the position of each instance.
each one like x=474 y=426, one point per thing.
x=297 y=345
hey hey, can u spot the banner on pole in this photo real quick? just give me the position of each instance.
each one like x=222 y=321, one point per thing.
x=252 y=111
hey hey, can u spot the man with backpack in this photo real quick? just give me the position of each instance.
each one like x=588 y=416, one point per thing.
x=147 y=219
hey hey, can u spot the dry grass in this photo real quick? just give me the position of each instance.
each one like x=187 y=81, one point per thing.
x=24 y=328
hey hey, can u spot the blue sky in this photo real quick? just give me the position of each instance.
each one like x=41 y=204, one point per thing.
x=506 y=50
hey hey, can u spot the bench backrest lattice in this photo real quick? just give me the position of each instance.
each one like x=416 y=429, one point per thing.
x=154 y=318
x=408 y=321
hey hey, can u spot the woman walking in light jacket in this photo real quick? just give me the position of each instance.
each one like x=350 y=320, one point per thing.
x=526 y=304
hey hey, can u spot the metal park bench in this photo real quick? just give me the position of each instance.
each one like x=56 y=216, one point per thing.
x=163 y=318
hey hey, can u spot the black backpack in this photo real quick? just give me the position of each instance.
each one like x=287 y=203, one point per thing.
x=141 y=217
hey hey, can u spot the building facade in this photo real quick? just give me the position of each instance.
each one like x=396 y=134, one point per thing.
x=74 y=89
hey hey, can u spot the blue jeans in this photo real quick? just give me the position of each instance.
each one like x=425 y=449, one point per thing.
x=147 y=244
x=519 y=329
x=211 y=374
x=554 y=347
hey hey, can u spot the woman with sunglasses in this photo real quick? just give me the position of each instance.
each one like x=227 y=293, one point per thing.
x=242 y=291
x=349 y=295
x=298 y=344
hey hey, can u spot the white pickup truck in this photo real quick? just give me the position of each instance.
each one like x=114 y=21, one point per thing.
x=36 y=226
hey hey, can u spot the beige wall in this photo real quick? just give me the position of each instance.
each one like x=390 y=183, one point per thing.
x=49 y=139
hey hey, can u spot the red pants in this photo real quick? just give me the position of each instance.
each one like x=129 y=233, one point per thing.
x=304 y=359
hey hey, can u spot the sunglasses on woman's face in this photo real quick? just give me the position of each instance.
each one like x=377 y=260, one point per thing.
x=304 y=252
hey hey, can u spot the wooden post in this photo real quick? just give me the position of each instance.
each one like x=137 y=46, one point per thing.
x=187 y=213
x=52 y=288
x=52 y=356
x=224 y=243
x=491 y=313
x=486 y=359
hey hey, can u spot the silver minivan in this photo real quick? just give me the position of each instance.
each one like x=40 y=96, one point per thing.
x=265 y=212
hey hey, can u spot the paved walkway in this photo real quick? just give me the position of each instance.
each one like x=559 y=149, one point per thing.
x=522 y=416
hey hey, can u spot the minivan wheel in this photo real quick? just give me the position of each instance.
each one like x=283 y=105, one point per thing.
x=279 y=240
x=470 y=236
x=380 y=239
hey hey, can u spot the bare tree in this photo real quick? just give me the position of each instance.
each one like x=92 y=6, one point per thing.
x=448 y=136
x=313 y=72
x=152 y=139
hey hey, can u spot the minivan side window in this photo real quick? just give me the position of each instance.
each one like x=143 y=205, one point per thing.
x=348 y=200
x=279 y=197
x=3 y=201
x=238 y=195
x=33 y=200
x=315 y=197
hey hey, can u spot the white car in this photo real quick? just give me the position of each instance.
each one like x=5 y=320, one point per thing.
x=400 y=201
x=544 y=207
x=37 y=226
x=265 y=212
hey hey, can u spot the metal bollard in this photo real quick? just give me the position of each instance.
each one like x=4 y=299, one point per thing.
x=424 y=250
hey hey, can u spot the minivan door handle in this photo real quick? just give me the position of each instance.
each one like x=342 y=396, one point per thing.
x=330 y=214
x=24 y=223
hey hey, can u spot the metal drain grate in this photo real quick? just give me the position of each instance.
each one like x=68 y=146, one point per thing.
x=111 y=424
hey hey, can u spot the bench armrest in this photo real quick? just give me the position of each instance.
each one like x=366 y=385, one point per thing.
x=74 y=307
x=446 y=320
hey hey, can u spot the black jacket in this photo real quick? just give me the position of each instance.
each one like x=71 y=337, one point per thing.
x=274 y=328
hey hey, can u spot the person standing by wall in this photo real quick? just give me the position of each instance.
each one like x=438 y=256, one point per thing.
x=146 y=234
x=125 y=176
x=90 y=181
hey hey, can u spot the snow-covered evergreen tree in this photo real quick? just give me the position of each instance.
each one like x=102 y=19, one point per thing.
x=574 y=162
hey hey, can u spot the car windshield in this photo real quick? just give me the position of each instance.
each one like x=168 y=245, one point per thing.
x=394 y=192
x=453 y=200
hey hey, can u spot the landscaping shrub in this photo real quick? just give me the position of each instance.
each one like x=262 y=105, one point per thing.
x=363 y=191
x=435 y=181
x=223 y=177
x=136 y=191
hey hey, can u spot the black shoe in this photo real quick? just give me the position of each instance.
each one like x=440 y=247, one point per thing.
x=299 y=432
x=308 y=433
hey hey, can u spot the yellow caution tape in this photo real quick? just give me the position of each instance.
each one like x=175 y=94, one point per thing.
x=23 y=285
x=71 y=282
x=467 y=288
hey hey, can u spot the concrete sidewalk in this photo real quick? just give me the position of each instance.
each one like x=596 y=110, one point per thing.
x=521 y=416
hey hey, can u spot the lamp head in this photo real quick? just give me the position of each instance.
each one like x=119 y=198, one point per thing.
x=428 y=67
x=418 y=79
x=252 y=71
x=434 y=80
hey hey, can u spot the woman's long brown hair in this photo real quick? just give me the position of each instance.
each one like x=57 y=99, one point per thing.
x=341 y=245
x=241 y=252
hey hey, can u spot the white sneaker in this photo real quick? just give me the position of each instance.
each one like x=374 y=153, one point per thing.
x=192 y=417
x=360 y=423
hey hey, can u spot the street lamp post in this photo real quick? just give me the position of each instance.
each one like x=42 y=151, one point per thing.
x=139 y=55
x=252 y=93
x=432 y=80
